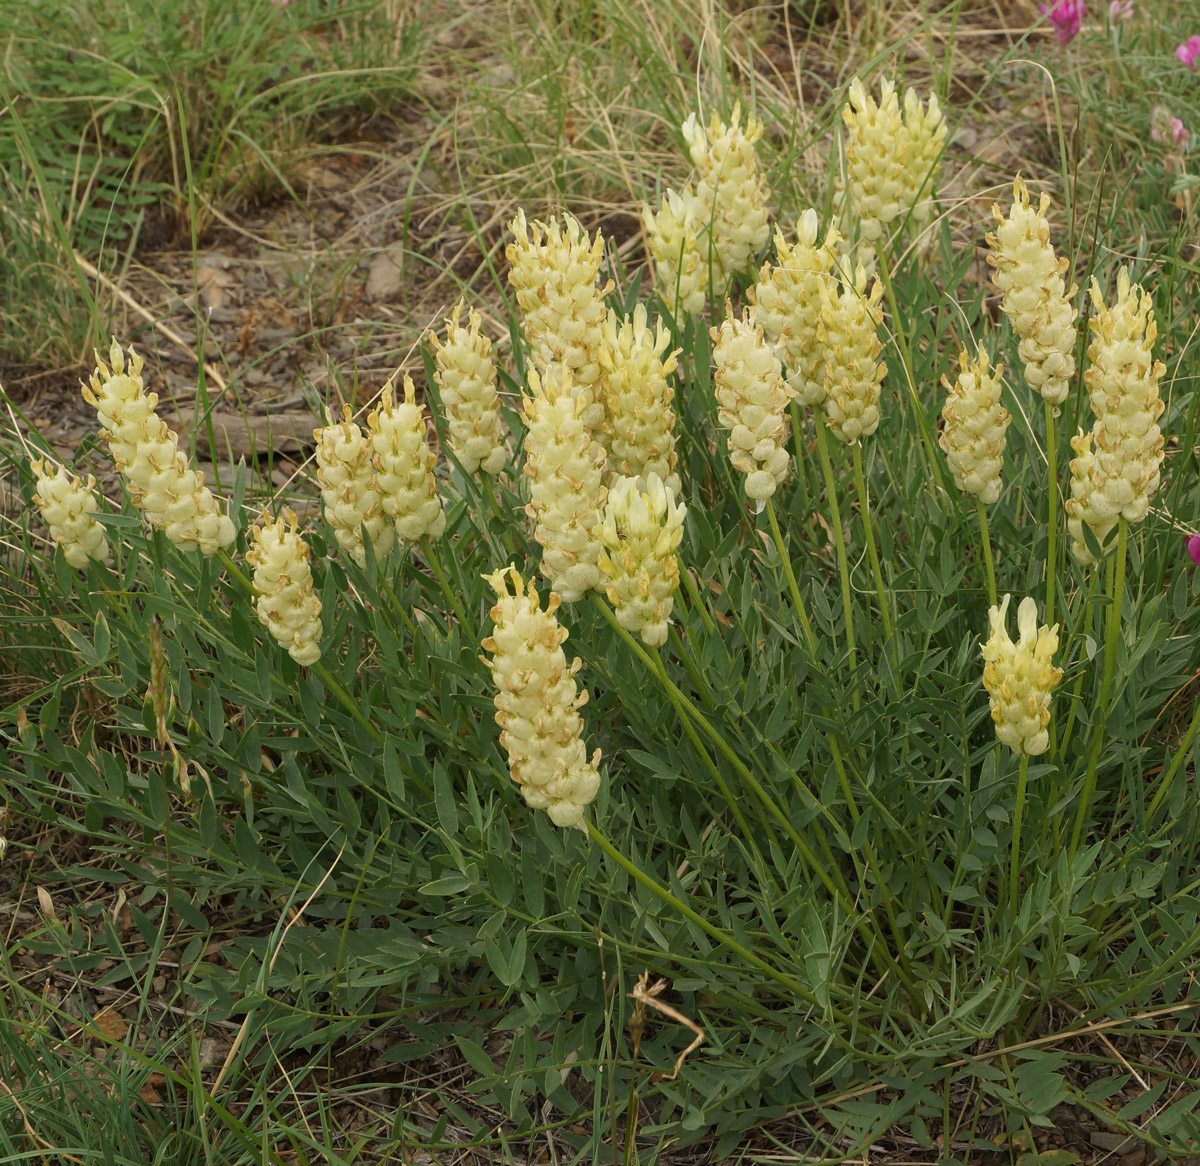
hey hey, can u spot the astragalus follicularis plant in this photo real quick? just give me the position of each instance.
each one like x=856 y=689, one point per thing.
x=147 y=453
x=465 y=375
x=1029 y=276
x=403 y=464
x=976 y=427
x=564 y=466
x=851 y=347
x=752 y=399
x=283 y=587
x=639 y=533
x=1116 y=470
x=1020 y=677
x=538 y=702
x=67 y=504
x=349 y=489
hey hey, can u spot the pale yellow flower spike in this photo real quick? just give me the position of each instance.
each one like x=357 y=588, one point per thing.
x=538 y=701
x=851 y=346
x=66 y=504
x=1030 y=277
x=640 y=533
x=681 y=272
x=404 y=464
x=173 y=496
x=349 y=489
x=1019 y=677
x=976 y=427
x=283 y=586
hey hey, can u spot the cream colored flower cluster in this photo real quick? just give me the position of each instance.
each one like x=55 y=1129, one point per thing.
x=553 y=271
x=640 y=533
x=752 y=399
x=1116 y=470
x=1019 y=677
x=891 y=158
x=538 y=702
x=283 y=586
x=788 y=299
x=403 y=463
x=67 y=504
x=851 y=346
x=640 y=423
x=1030 y=277
x=350 y=490
x=465 y=374
x=565 y=469
x=147 y=453
x=681 y=272
x=976 y=427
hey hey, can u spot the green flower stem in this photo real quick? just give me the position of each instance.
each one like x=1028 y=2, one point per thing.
x=803 y=469
x=1164 y=786
x=864 y=504
x=1076 y=696
x=1052 y=549
x=985 y=538
x=1014 y=903
x=839 y=536
x=1112 y=634
x=936 y=468
x=431 y=557
x=505 y=525
x=786 y=559
x=397 y=606
x=698 y=605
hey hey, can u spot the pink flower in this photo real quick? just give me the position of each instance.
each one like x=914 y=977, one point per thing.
x=1066 y=16
x=1189 y=52
x=1165 y=127
x=1120 y=9
x=1194 y=548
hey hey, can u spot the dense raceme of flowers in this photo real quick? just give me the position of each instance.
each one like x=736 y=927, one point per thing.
x=851 y=347
x=1030 y=277
x=554 y=270
x=752 y=399
x=640 y=533
x=787 y=303
x=925 y=138
x=283 y=587
x=565 y=470
x=640 y=423
x=538 y=702
x=976 y=426
x=147 y=453
x=403 y=464
x=67 y=504
x=680 y=269
x=465 y=375
x=1117 y=468
x=350 y=490
x=1019 y=677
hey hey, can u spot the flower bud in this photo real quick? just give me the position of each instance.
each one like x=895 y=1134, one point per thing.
x=404 y=464
x=286 y=602
x=538 y=702
x=66 y=504
x=1019 y=677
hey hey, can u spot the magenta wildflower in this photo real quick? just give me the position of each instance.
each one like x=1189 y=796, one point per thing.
x=1120 y=10
x=1166 y=127
x=1194 y=548
x=1066 y=16
x=1189 y=52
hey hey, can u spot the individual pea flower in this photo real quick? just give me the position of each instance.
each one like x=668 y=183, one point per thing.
x=350 y=490
x=1030 y=277
x=67 y=504
x=1193 y=548
x=1167 y=128
x=851 y=345
x=640 y=423
x=553 y=271
x=680 y=270
x=1120 y=10
x=565 y=470
x=403 y=464
x=976 y=427
x=1066 y=17
x=752 y=399
x=465 y=375
x=640 y=533
x=731 y=194
x=284 y=597
x=171 y=495
x=1189 y=52
x=1019 y=677
x=538 y=702
x=787 y=303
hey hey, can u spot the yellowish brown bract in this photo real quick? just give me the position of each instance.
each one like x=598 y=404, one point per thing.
x=67 y=504
x=173 y=496
x=1019 y=677
x=537 y=702
x=976 y=427
x=285 y=600
x=403 y=464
